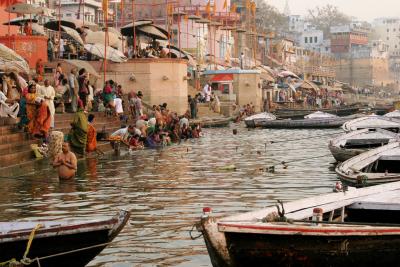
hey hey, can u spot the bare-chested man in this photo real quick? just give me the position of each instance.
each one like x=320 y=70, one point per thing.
x=66 y=163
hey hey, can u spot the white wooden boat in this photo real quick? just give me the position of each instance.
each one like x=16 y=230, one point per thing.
x=373 y=121
x=353 y=143
x=393 y=114
x=253 y=121
x=320 y=115
x=59 y=243
x=379 y=165
x=359 y=227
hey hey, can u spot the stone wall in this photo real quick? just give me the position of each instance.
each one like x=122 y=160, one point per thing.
x=160 y=80
x=364 y=71
x=246 y=85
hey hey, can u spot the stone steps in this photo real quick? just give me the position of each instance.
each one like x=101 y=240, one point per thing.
x=15 y=144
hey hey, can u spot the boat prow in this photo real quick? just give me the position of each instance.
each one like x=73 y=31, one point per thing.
x=379 y=165
x=359 y=227
x=354 y=143
x=373 y=121
x=59 y=243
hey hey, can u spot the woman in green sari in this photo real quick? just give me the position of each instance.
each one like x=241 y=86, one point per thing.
x=78 y=133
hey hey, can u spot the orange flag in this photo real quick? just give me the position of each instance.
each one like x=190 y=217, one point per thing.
x=105 y=6
x=253 y=8
x=248 y=4
x=225 y=4
x=121 y=5
x=233 y=8
x=186 y=18
x=208 y=8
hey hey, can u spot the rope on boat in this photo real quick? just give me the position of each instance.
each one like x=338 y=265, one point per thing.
x=25 y=260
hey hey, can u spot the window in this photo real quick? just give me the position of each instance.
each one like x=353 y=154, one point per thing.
x=310 y=40
x=305 y=40
x=387 y=30
x=395 y=46
x=315 y=39
x=68 y=15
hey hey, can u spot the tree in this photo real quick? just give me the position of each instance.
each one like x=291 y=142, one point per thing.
x=325 y=17
x=268 y=18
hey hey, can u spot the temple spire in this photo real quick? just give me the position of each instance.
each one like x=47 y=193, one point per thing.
x=286 y=11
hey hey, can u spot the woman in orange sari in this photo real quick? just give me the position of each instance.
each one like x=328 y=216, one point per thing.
x=31 y=107
x=91 y=144
x=42 y=119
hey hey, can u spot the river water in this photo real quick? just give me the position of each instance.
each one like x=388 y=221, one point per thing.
x=166 y=189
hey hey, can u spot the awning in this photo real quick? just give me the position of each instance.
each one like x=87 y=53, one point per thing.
x=222 y=78
x=99 y=38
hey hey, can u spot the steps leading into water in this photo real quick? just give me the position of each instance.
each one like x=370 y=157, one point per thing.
x=15 y=145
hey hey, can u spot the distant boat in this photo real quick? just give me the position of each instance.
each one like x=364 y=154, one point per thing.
x=359 y=227
x=65 y=242
x=353 y=143
x=379 y=165
x=373 y=121
x=393 y=114
x=252 y=121
x=294 y=113
x=315 y=120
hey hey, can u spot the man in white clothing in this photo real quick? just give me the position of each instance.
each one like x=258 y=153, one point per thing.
x=8 y=107
x=48 y=93
x=207 y=92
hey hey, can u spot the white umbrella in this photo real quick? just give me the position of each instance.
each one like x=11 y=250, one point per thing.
x=287 y=73
x=19 y=21
x=10 y=60
x=23 y=8
x=73 y=34
x=112 y=54
x=38 y=29
x=99 y=38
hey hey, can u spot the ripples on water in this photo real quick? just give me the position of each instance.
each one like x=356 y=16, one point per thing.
x=166 y=189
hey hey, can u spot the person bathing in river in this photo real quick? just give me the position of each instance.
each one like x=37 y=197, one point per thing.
x=66 y=163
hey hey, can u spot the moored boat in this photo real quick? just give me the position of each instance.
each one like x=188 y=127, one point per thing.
x=393 y=114
x=379 y=165
x=253 y=121
x=286 y=113
x=359 y=227
x=353 y=143
x=315 y=120
x=373 y=121
x=59 y=243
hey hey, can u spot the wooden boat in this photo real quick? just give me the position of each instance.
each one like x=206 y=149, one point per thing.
x=393 y=114
x=293 y=113
x=57 y=239
x=359 y=227
x=252 y=121
x=379 y=165
x=353 y=143
x=373 y=121
x=316 y=120
x=212 y=122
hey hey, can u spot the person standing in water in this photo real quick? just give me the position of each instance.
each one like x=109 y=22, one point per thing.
x=66 y=163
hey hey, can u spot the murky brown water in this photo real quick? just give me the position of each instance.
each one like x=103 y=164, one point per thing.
x=166 y=189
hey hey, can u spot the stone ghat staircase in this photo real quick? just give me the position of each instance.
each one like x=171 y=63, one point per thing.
x=15 y=144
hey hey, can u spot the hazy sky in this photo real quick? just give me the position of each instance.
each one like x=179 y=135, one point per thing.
x=362 y=9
